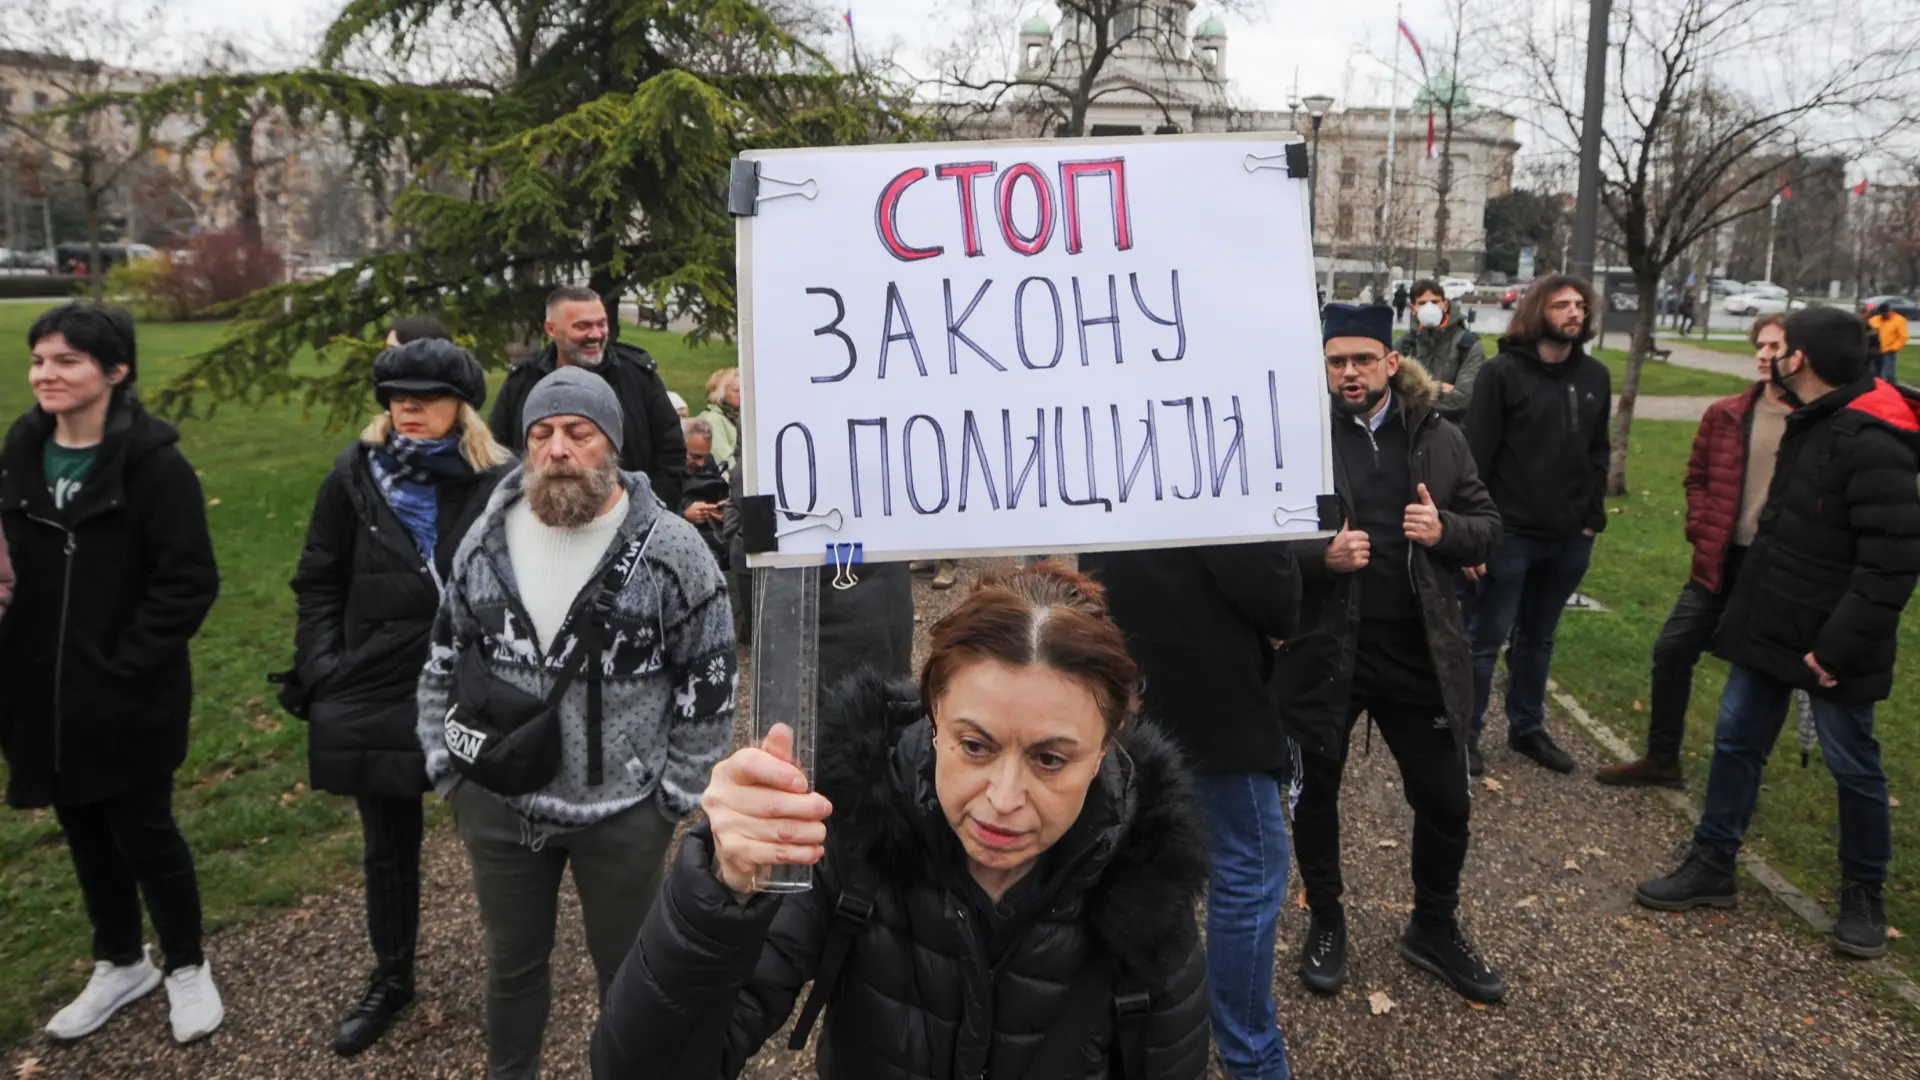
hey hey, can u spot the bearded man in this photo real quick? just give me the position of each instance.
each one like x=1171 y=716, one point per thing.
x=576 y=592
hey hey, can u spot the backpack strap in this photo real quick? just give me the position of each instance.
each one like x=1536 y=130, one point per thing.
x=851 y=914
x=592 y=638
x=1096 y=991
x=1132 y=1004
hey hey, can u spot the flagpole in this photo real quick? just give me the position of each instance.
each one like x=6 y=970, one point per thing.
x=1773 y=218
x=1393 y=126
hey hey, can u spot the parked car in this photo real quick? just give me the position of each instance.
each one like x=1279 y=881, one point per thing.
x=1764 y=288
x=1759 y=304
x=1455 y=287
x=77 y=258
x=1906 y=306
x=1725 y=287
x=1511 y=297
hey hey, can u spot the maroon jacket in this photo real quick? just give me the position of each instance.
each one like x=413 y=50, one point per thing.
x=1716 y=480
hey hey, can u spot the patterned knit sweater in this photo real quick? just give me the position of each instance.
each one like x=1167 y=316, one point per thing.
x=668 y=667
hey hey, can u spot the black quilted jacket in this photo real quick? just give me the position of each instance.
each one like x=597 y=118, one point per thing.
x=710 y=979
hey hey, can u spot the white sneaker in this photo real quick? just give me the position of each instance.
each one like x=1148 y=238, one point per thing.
x=110 y=989
x=194 y=1005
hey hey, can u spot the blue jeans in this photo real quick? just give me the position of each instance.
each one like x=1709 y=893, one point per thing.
x=1887 y=361
x=1751 y=712
x=1527 y=585
x=1247 y=842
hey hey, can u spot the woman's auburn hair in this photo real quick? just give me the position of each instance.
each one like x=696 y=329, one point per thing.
x=1045 y=614
x=477 y=444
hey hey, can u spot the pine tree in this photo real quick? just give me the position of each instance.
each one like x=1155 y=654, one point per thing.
x=600 y=154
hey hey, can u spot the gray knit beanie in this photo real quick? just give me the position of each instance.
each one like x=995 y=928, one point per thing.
x=570 y=391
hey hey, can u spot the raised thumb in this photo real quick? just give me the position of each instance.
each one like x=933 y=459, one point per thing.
x=1425 y=498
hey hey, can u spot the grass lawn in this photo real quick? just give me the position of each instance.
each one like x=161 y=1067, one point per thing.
x=1603 y=659
x=261 y=840
x=1657 y=378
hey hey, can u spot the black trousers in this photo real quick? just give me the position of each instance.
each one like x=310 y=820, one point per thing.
x=1688 y=633
x=392 y=828
x=126 y=848
x=1433 y=773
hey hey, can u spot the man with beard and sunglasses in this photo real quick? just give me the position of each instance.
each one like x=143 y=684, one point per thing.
x=582 y=337
x=572 y=554
x=1538 y=428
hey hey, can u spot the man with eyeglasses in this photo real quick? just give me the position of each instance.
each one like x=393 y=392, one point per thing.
x=1381 y=634
x=1538 y=428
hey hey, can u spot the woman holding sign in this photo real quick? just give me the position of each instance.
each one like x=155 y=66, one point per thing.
x=1008 y=862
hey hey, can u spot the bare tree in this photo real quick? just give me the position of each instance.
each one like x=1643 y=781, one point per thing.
x=1054 y=86
x=66 y=53
x=1713 y=106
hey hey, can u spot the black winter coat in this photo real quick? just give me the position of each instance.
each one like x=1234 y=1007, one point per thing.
x=1540 y=437
x=652 y=442
x=96 y=687
x=1316 y=667
x=710 y=979
x=1200 y=621
x=1839 y=546
x=367 y=602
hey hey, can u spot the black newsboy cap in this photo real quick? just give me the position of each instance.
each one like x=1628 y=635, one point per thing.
x=429 y=366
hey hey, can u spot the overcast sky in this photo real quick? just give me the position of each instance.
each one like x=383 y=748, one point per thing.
x=1324 y=46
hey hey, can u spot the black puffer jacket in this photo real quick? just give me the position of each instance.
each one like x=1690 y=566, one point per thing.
x=96 y=686
x=1200 y=622
x=1315 y=680
x=367 y=602
x=1839 y=546
x=711 y=979
x=652 y=442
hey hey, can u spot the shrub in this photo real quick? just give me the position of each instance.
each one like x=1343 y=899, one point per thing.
x=37 y=286
x=215 y=269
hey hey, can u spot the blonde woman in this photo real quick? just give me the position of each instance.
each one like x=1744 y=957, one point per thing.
x=383 y=534
x=723 y=412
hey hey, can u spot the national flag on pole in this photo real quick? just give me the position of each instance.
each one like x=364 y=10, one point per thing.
x=848 y=15
x=1786 y=192
x=1860 y=188
x=1426 y=81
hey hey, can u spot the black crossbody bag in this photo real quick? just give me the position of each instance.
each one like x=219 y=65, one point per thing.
x=507 y=740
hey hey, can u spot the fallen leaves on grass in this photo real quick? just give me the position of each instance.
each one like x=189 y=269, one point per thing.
x=1527 y=901
x=1380 y=1003
x=1893 y=802
x=1894 y=934
x=28 y=1069
x=1493 y=785
x=1592 y=852
x=1572 y=866
x=1637 y=707
x=1388 y=844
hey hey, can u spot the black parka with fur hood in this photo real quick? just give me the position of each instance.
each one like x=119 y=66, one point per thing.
x=711 y=979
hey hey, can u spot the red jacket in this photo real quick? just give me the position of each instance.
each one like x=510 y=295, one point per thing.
x=1716 y=480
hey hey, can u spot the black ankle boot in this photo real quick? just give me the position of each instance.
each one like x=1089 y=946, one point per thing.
x=387 y=993
x=1323 y=957
x=1443 y=950
x=1861 y=929
x=1705 y=878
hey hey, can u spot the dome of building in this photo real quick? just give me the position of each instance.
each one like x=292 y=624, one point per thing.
x=1444 y=88
x=1037 y=25
x=1213 y=26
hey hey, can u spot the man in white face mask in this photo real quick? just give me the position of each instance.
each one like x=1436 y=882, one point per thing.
x=1449 y=349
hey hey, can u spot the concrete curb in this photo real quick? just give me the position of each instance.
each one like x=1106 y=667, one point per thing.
x=1783 y=890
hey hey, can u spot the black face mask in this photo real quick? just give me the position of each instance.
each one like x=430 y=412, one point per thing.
x=1779 y=382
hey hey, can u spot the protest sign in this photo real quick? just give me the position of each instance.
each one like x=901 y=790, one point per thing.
x=1029 y=347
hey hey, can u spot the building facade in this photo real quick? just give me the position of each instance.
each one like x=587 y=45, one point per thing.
x=1167 y=73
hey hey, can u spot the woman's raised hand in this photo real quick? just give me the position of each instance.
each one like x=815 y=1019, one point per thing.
x=762 y=813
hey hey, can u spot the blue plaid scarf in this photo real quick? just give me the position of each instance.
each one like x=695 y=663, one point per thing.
x=409 y=472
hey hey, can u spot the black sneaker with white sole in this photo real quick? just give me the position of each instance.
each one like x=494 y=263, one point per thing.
x=1446 y=952
x=1323 y=958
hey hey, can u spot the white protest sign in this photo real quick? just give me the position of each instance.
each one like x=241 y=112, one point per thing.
x=1028 y=347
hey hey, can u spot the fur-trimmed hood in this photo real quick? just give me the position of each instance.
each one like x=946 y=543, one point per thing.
x=1413 y=385
x=1136 y=860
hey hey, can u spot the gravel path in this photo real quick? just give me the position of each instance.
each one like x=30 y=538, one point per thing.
x=1667 y=407
x=1601 y=988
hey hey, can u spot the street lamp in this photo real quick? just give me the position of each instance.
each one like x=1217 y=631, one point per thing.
x=1316 y=107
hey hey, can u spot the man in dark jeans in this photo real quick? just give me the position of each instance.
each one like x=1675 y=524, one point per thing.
x=1817 y=607
x=1538 y=428
x=1382 y=634
x=1200 y=622
x=1727 y=479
